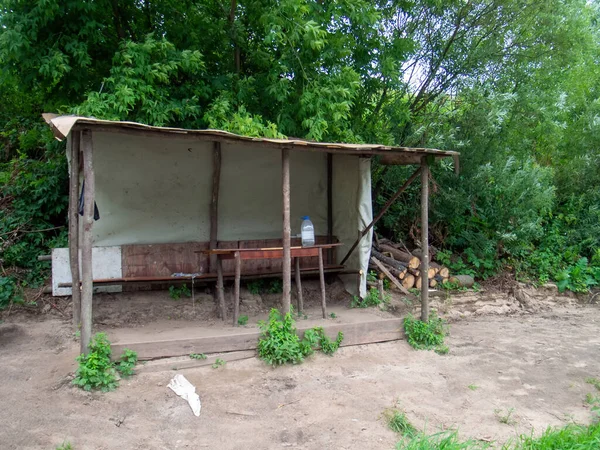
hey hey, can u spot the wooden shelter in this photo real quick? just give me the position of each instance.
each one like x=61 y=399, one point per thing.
x=167 y=198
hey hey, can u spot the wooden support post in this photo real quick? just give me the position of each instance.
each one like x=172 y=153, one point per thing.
x=382 y=212
x=214 y=203
x=74 y=229
x=221 y=290
x=381 y=290
x=287 y=259
x=330 y=207
x=322 y=281
x=298 y=285
x=359 y=283
x=424 y=238
x=236 y=288
x=87 y=240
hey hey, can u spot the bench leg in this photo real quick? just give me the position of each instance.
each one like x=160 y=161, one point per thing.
x=236 y=289
x=221 y=289
x=298 y=285
x=322 y=279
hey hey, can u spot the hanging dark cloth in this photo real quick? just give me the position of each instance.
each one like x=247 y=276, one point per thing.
x=96 y=212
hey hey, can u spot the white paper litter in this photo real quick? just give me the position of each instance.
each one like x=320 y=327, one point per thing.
x=186 y=390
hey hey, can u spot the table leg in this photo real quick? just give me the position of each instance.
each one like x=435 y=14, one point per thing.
x=221 y=289
x=322 y=279
x=298 y=285
x=236 y=289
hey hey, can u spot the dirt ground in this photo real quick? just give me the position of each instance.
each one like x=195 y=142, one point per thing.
x=534 y=360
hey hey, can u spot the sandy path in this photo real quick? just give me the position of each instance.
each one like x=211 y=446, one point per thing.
x=534 y=364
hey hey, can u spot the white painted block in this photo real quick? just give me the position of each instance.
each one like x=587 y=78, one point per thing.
x=106 y=263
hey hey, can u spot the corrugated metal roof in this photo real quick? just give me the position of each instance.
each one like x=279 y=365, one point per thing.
x=62 y=126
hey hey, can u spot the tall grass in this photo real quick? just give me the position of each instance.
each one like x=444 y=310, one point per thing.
x=571 y=437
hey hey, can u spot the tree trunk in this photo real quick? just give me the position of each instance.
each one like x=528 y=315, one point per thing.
x=466 y=281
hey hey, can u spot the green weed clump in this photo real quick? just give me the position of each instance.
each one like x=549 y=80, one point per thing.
x=280 y=344
x=177 y=292
x=97 y=371
x=426 y=335
x=399 y=423
x=242 y=320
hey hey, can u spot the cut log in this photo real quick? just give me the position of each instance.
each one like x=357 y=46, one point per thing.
x=408 y=281
x=388 y=261
x=399 y=255
x=432 y=283
x=466 y=281
x=418 y=282
x=415 y=272
x=397 y=273
x=389 y=275
x=440 y=279
x=442 y=270
x=419 y=254
x=431 y=272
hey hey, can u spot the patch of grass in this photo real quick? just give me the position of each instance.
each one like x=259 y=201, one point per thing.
x=399 y=423
x=242 y=320
x=218 y=363
x=473 y=387
x=177 y=292
x=255 y=286
x=505 y=418
x=65 y=446
x=197 y=356
x=333 y=315
x=97 y=371
x=426 y=335
x=594 y=382
x=445 y=440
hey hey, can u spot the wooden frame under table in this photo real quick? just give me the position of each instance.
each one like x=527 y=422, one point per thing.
x=240 y=254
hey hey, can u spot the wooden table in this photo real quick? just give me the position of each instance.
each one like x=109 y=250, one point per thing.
x=240 y=254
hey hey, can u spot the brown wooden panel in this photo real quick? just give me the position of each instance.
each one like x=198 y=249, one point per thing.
x=149 y=260
x=354 y=334
x=229 y=266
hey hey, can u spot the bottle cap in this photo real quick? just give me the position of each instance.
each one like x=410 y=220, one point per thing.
x=305 y=218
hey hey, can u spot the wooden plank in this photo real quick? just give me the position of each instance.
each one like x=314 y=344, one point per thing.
x=87 y=241
x=74 y=228
x=356 y=333
x=382 y=212
x=214 y=202
x=329 y=205
x=287 y=261
x=391 y=277
x=236 y=289
x=300 y=306
x=185 y=362
x=322 y=284
x=221 y=290
x=425 y=238
x=151 y=260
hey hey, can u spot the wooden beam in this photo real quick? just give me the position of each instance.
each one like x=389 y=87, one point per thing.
x=391 y=277
x=221 y=290
x=322 y=284
x=214 y=203
x=330 y=206
x=287 y=260
x=74 y=228
x=356 y=333
x=86 y=243
x=236 y=289
x=298 y=285
x=382 y=212
x=425 y=238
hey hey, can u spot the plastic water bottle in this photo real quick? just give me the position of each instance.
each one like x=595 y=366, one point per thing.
x=307 y=232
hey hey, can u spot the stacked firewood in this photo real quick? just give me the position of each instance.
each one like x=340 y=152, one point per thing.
x=400 y=263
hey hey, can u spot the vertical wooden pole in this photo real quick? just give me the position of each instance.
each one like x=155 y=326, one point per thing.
x=330 y=207
x=424 y=239
x=381 y=290
x=236 y=288
x=86 y=243
x=287 y=259
x=214 y=203
x=298 y=285
x=74 y=229
x=322 y=282
x=221 y=290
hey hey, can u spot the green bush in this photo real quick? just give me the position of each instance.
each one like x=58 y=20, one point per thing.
x=371 y=299
x=280 y=344
x=426 y=335
x=97 y=371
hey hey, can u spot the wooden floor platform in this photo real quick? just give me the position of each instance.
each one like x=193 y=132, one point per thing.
x=170 y=339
